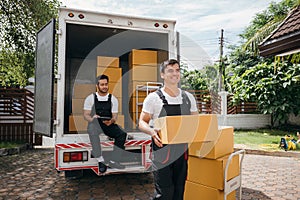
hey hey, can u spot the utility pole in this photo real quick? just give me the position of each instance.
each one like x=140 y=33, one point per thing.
x=221 y=86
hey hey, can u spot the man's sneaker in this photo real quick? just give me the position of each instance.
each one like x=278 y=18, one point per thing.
x=115 y=164
x=102 y=167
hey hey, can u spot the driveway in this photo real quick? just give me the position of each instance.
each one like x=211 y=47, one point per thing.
x=31 y=175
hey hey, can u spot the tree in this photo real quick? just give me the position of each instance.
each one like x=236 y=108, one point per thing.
x=19 y=22
x=276 y=92
x=205 y=79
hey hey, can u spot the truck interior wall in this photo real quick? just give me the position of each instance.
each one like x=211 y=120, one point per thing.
x=85 y=43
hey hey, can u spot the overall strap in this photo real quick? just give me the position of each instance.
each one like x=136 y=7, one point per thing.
x=186 y=99
x=162 y=97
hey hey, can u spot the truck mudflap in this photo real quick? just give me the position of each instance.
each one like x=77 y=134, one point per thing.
x=81 y=153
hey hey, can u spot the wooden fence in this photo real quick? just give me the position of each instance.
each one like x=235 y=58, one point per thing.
x=16 y=116
x=210 y=103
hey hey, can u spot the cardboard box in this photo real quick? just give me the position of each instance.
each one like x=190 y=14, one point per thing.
x=143 y=73
x=194 y=191
x=120 y=120
x=114 y=74
x=132 y=119
x=77 y=123
x=81 y=91
x=105 y=61
x=77 y=106
x=142 y=57
x=120 y=105
x=210 y=172
x=213 y=150
x=162 y=56
x=187 y=128
x=115 y=88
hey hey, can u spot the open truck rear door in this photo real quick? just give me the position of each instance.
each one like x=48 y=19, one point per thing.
x=44 y=80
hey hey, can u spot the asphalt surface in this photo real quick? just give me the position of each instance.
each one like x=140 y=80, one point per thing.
x=31 y=175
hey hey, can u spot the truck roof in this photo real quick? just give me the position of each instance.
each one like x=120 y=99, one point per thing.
x=117 y=15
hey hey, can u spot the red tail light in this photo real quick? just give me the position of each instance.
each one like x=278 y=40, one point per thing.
x=75 y=156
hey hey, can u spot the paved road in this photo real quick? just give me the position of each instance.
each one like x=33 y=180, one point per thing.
x=31 y=175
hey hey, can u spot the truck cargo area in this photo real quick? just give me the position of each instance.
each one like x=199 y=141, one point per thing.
x=84 y=44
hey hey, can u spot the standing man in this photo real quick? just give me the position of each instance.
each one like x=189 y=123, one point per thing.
x=100 y=110
x=169 y=161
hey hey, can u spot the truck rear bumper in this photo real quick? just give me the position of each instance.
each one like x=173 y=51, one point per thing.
x=136 y=157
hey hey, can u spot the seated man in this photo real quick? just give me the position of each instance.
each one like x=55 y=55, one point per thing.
x=100 y=110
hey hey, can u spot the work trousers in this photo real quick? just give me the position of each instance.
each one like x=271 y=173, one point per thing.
x=170 y=179
x=112 y=131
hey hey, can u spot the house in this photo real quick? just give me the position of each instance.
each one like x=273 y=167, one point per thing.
x=285 y=39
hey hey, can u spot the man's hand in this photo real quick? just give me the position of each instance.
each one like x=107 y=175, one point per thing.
x=156 y=138
x=109 y=122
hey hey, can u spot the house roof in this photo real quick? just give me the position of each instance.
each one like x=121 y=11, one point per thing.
x=284 y=39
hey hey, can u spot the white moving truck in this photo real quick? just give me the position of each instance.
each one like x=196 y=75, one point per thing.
x=87 y=43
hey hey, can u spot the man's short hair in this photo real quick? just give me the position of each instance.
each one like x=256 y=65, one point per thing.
x=164 y=65
x=101 y=77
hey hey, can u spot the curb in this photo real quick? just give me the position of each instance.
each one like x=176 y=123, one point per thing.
x=13 y=151
x=271 y=153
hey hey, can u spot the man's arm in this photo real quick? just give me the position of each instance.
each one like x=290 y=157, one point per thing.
x=87 y=115
x=144 y=126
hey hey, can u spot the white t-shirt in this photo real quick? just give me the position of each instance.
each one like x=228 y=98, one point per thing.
x=153 y=103
x=89 y=102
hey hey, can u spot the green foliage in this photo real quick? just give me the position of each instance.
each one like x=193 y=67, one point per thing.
x=12 y=72
x=11 y=144
x=276 y=92
x=19 y=21
x=199 y=79
x=276 y=12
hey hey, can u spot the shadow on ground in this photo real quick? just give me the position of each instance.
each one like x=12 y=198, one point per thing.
x=248 y=193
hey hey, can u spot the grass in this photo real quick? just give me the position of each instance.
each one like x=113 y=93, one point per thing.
x=10 y=144
x=263 y=139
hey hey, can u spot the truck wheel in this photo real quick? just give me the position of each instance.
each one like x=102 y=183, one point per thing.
x=73 y=174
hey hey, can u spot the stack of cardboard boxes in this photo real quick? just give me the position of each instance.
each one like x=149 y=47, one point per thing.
x=142 y=69
x=209 y=150
x=80 y=92
x=105 y=65
x=206 y=166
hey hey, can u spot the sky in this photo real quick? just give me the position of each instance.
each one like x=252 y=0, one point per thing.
x=199 y=22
